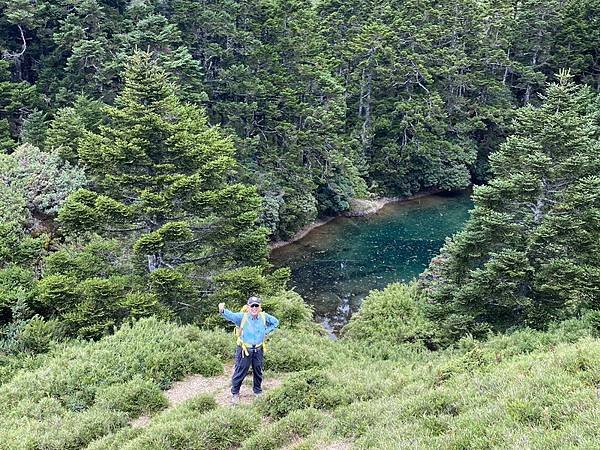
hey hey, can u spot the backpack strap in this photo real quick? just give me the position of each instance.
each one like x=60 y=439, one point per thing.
x=264 y=318
x=240 y=330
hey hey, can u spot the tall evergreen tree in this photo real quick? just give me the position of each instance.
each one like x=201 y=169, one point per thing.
x=529 y=253
x=164 y=181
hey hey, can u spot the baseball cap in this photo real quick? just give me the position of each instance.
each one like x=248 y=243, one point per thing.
x=254 y=300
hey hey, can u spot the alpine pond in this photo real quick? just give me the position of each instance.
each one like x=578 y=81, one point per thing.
x=336 y=265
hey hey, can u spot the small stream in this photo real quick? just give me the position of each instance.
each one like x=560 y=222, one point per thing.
x=336 y=265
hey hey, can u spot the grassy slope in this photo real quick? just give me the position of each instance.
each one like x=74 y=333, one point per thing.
x=528 y=389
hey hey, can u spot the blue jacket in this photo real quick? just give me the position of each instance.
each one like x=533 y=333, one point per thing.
x=255 y=330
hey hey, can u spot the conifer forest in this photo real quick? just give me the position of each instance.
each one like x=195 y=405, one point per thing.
x=152 y=152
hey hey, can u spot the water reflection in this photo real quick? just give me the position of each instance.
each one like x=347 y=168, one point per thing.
x=336 y=265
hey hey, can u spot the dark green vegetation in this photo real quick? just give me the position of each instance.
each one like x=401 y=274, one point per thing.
x=530 y=253
x=139 y=188
x=325 y=100
x=151 y=148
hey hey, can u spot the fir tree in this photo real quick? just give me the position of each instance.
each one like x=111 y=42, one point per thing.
x=529 y=253
x=164 y=181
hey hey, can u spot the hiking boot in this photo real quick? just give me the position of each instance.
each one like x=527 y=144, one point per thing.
x=235 y=399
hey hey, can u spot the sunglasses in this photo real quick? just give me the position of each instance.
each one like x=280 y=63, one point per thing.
x=254 y=306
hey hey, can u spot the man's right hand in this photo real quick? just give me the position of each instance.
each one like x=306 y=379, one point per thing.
x=221 y=307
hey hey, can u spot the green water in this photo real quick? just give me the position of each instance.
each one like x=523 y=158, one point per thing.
x=336 y=265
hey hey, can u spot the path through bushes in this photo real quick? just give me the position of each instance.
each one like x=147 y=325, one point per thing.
x=194 y=385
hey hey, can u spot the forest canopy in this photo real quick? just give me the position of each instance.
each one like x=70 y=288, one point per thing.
x=151 y=149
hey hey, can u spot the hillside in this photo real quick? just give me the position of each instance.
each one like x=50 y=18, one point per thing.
x=153 y=151
x=526 y=389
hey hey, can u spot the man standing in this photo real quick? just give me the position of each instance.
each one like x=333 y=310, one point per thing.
x=254 y=326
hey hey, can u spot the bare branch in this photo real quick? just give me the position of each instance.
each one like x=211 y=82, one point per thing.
x=123 y=230
x=12 y=55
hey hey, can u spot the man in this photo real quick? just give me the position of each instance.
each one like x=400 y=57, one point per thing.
x=254 y=326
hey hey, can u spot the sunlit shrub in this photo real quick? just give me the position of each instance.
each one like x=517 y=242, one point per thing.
x=291 y=310
x=38 y=334
x=290 y=351
x=95 y=387
x=301 y=390
x=134 y=397
x=392 y=316
x=299 y=423
x=75 y=430
x=224 y=428
x=45 y=178
x=159 y=426
x=115 y=441
x=355 y=420
x=218 y=343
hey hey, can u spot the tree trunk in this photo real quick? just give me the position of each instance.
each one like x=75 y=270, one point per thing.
x=365 y=108
x=153 y=263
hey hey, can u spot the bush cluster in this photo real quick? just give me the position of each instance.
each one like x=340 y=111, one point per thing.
x=298 y=424
x=290 y=351
x=526 y=386
x=92 y=388
x=391 y=317
x=220 y=429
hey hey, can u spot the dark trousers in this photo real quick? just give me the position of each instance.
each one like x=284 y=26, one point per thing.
x=242 y=365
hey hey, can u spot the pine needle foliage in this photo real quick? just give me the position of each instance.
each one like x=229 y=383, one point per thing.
x=164 y=182
x=529 y=253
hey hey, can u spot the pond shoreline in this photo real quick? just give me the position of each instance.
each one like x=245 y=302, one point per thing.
x=359 y=208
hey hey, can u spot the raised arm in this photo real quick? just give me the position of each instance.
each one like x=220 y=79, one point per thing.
x=230 y=315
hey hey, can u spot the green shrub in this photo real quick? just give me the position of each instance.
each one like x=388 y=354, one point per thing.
x=524 y=387
x=290 y=351
x=193 y=407
x=16 y=283
x=98 y=258
x=74 y=431
x=85 y=380
x=57 y=293
x=235 y=286
x=301 y=390
x=115 y=441
x=291 y=310
x=298 y=209
x=38 y=334
x=395 y=436
x=583 y=361
x=526 y=340
x=44 y=177
x=358 y=380
x=392 y=316
x=199 y=404
x=160 y=428
x=355 y=420
x=18 y=247
x=135 y=397
x=297 y=424
x=221 y=429
x=218 y=343
x=10 y=365
x=27 y=332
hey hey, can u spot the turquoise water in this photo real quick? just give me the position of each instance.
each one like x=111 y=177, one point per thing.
x=336 y=265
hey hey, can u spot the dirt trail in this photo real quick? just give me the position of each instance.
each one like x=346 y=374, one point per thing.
x=194 y=385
